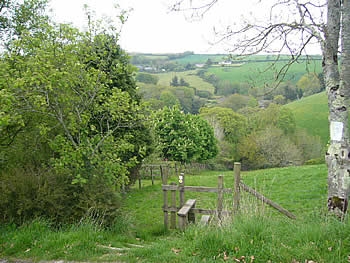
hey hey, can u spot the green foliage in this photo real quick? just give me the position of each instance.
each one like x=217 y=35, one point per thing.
x=226 y=87
x=271 y=149
x=71 y=106
x=185 y=95
x=27 y=194
x=183 y=137
x=309 y=84
x=169 y=99
x=175 y=82
x=228 y=127
x=147 y=78
x=237 y=102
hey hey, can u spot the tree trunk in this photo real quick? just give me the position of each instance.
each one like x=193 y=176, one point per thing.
x=337 y=156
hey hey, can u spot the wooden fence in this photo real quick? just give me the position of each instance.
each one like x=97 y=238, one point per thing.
x=185 y=211
x=152 y=171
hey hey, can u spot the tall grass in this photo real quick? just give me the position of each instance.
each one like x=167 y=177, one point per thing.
x=257 y=234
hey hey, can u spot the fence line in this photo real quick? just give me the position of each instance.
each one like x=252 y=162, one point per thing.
x=186 y=210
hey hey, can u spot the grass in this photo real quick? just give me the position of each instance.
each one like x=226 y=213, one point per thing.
x=311 y=114
x=258 y=234
x=258 y=73
x=189 y=76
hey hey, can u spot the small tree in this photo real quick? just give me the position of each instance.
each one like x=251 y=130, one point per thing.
x=183 y=137
x=174 y=81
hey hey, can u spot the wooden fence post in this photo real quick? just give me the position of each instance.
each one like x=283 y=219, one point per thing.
x=173 y=207
x=181 y=189
x=161 y=171
x=220 y=195
x=165 y=202
x=236 y=194
x=139 y=177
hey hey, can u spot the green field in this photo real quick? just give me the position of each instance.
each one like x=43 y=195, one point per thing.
x=260 y=73
x=257 y=234
x=189 y=76
x=311 y=114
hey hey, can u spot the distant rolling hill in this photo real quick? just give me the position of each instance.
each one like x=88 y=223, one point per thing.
x=311 y=114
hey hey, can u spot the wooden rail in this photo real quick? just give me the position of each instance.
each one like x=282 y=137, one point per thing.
x=186 y=211
x=240 y=185
x=172 y=208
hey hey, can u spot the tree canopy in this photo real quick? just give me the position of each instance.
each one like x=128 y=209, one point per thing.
x=183 y=137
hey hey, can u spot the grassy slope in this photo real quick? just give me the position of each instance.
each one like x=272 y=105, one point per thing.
x=188 y=76
x=311 y=113
x=258 y=73
x=259 y=232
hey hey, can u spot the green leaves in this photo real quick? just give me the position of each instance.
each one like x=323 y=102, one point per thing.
x=78 y=92
x=184 y=137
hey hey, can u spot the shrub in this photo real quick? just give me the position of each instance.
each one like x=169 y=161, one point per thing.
x=26 y=194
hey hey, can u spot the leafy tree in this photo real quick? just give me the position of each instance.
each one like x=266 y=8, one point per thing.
x=183 y=137
x=309 y=84
x=185 y=95
x=289 y=91
x=71 y=97
x=279 y=99
x=237 y=101
x=169 y=99
x=274 y=115
x=269 y=148
x=229 y=128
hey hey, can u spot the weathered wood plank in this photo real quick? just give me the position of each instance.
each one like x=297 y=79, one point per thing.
x=184 y=214
x=170 y=187
x=200 y=189
x=187 y=207
x=204 y=189
x=267 y=201
x=173 y=206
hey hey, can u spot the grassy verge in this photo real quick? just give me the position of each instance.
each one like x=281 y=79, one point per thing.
x=258 y=234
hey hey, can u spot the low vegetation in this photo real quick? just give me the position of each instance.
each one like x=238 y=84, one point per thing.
x=258 y=234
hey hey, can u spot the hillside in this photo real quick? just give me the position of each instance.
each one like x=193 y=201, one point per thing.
x=311 y=113
x=189 y=76
x=257 y=234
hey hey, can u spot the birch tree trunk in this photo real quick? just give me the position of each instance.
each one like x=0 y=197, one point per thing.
x=337 y=156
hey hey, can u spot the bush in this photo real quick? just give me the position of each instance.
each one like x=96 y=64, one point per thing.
x=27 y=194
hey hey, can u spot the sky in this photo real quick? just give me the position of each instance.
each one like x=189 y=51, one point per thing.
x=152 y=28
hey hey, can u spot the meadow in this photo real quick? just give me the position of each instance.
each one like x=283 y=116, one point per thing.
x=258 y=73
x=257 y=234
x=189 y=76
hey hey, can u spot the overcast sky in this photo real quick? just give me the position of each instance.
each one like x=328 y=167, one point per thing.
x=151 y=28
